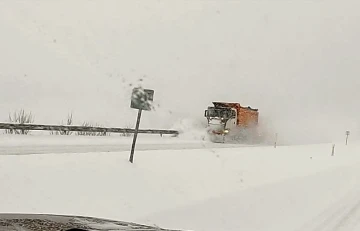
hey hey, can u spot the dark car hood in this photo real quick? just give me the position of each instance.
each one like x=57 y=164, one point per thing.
x=48 y=222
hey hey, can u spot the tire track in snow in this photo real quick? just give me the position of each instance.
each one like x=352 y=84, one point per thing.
x=349 y=220
x=344 y=215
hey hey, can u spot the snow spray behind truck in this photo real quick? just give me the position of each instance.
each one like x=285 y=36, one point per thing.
x=229 y=122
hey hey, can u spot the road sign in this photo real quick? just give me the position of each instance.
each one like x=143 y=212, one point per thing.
x=141 y=99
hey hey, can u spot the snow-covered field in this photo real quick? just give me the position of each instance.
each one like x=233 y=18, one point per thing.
x=208 y=188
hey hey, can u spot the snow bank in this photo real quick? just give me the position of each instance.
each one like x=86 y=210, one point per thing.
x=74 y=140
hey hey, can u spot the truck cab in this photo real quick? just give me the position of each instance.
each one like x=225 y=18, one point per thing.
x=231 y=120
x=220 y=119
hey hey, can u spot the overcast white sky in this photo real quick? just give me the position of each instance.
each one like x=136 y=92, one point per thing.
x=297 y=61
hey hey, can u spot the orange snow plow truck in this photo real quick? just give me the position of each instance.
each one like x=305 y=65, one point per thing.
x=230 y=122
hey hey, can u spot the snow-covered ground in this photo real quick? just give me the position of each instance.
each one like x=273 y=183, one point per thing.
x=45 y=144
x=209 y=188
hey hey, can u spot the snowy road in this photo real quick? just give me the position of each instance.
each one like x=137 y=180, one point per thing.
x=93 y=148
x=189 y=184
x=325 y=201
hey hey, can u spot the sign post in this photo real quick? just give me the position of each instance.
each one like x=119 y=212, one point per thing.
x=141 y=99
x=347 y=136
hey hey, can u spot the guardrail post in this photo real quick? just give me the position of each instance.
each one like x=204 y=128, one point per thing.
x=347 y=137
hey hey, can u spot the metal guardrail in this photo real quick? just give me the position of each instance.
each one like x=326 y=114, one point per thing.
x=71 y=128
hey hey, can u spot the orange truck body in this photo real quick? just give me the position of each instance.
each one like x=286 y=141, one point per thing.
x=246 y=116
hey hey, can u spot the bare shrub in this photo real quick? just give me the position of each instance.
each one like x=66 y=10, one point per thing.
x=20 y=117
x=69 y=121
x=91 y=133
x=125 y=134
